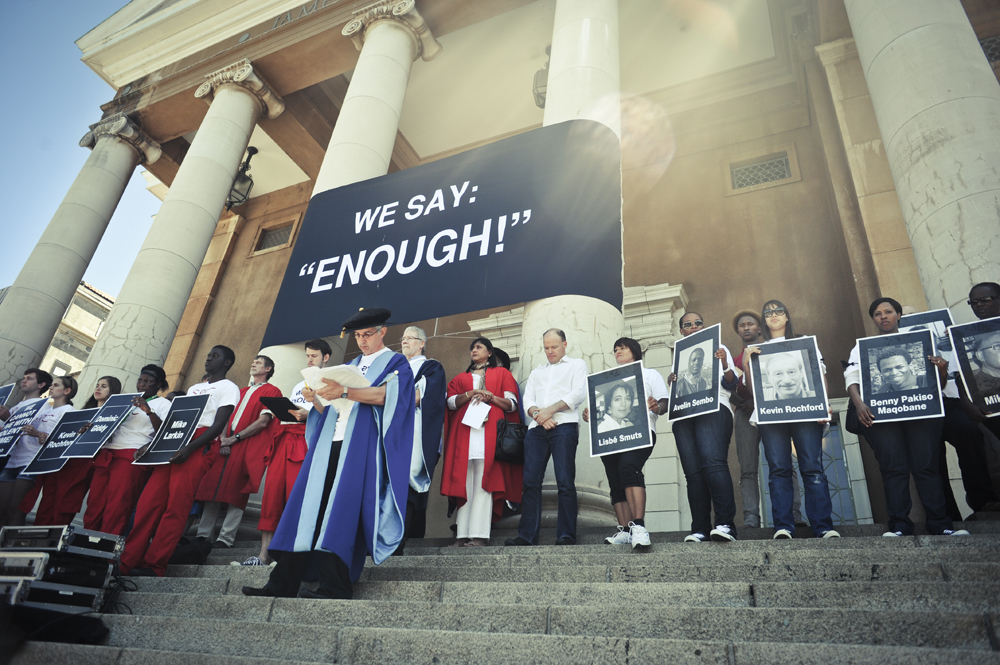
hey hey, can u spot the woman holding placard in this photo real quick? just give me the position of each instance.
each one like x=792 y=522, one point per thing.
x=114 y=489
x=624 y=470
x=903 y=447
x=26 y=490
x=479 y=483
x=777 y=439
x=703 y=446
x=105 y=388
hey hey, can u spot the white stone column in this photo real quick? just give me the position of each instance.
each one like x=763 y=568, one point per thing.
x=583 y=83
x=35 y=304
x=937 y=102
x=390 y=36
x=141 y=325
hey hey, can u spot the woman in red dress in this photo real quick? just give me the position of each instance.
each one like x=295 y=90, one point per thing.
x=478 y=483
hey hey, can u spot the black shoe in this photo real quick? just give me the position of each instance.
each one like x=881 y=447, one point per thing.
x=516 y=542
x=221 y=545
x=142 y=572
x=565 y=540
x=321 y=594
x=265 y=591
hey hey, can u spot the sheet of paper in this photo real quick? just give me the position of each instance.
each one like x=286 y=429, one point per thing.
x=476 y=415
x=348 y=376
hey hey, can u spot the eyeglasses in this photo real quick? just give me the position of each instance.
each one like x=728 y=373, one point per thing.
x=777 y=311
x=698 y=323
x=991 y=347
x=367 y=335
x=404 y=340
x=976 y=301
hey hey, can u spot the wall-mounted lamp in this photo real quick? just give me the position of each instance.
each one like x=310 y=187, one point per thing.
x=542 y=81
x=240 y=192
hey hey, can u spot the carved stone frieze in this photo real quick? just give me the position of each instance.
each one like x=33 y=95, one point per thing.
x=403 y=12
x=242 y=74
x=121 y=127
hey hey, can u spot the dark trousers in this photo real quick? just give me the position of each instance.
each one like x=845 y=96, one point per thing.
x=808 y=439
x=703 y=446
x=334 y=575
x=559 y=443
x=904 y=448
x=625 y=470
x=969 y=444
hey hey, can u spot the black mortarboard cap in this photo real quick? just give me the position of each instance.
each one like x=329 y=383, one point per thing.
x=366 y=318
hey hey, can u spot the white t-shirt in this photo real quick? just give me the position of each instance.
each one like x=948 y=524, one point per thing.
x=656 y=388
x=726 y=365
x=137 y=429
x=954 y=368
x=221 y=393
x=27 y=446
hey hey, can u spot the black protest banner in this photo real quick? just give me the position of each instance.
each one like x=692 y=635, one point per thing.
x=617 y=402
x=696 y=390
x=529 y=217
x=977 y=346
x=937 y=321
x=176 y=431
x=50 y=457
x=5 y=392
x=11 y=431
x=105 y=422
x=788 y=382
x=898 y=382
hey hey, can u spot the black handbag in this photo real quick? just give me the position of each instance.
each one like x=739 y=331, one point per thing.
x=851 y=422
x=510 y=441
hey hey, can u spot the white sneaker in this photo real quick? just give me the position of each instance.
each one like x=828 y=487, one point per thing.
x=782 y=534
x=892 y=534
x=695 y=538
x=723 y=534
x=831 y=534
x=620 y=538
x=638 y=535
x=957 y=532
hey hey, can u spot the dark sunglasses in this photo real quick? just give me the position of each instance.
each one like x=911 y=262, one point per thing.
x=697 y=323
x=777 y=311
x=976 y=301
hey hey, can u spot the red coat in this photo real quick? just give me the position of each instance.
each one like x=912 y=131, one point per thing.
x=502 y=479
x=232 y=479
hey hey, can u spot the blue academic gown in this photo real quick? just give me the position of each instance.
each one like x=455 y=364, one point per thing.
x=432 y=406
x=366 y=511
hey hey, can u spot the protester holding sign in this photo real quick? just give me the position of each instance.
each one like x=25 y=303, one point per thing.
x=626 y=481
x=787 y=378
x=984 y=299
x=477 y=482
x=115 y=486
x=703 y=446
x=902 y=447
x=166 y=501
x=106 y=387
x=61 y=394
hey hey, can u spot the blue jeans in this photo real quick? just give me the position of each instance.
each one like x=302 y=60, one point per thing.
x=539 y=444
x=808 y=437
x=902 y=448
x=703 y=446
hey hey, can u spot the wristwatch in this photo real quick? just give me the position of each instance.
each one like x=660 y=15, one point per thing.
x=237 y=436
x=344 y=396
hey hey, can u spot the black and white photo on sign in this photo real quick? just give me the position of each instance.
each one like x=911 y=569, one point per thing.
x=898 y=382
x=617 y=403
x=937 y=321
x=978 y=348
x=788 y=378
x=696 y=389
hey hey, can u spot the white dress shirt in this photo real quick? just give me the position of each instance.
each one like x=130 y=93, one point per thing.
x=565 y=380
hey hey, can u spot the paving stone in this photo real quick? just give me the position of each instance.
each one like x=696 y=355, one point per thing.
x=833 y=572
x=747 y=653
x=659 y=595
x=46 y=653
x=235 y=608
x=881 y=595
x=476 y=574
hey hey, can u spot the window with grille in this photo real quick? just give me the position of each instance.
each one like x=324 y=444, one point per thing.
x=991 y=47
x=771 y=168
x=271 y=238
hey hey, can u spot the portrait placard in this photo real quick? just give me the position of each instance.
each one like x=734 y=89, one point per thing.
x=176 y=431
x=5 y=392
x=618 y=420
x=696 y=390
x=788 y=382
x=11 y=431
x=105 y=422
x=977 y=345
x=898 y=382
x=50 y=456
x=937 y=321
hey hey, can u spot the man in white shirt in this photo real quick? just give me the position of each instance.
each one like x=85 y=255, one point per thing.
x=554 y=392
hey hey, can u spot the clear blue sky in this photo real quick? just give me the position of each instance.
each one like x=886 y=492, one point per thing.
x=52 y=98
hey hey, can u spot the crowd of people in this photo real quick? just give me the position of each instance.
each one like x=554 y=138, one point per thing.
x=349 y=469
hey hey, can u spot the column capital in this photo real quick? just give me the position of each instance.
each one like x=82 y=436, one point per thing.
x=242 y=74
x=402 y=12
x=122 y=127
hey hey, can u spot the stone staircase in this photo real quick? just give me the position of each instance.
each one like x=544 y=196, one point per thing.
x=860 y=599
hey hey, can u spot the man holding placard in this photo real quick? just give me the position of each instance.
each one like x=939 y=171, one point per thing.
x=350 y=497
x=984 y=406
x=33 y=384
x=166 y=501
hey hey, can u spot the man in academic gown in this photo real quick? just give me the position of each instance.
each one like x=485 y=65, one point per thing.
x=349 y=500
